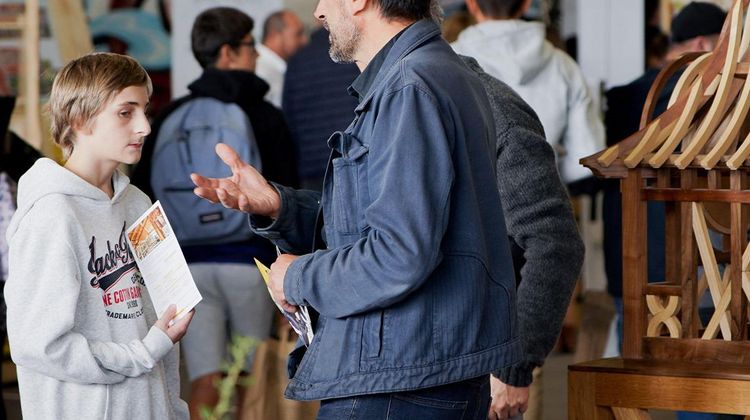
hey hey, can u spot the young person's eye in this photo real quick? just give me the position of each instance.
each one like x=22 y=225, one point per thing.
x=126 y=113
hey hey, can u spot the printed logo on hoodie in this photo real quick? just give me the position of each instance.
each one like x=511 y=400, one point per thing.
x=122 y=299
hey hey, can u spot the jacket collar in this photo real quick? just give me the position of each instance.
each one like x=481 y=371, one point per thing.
x=411 y=38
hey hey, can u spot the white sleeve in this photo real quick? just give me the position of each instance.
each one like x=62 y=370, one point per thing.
x=584 y=133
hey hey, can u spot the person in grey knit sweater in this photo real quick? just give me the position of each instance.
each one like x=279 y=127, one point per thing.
x=541 y=225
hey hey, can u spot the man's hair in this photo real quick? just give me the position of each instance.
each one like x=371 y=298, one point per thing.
x=404 y=9
x=216 y=27
x=84 y=87
x=274 y=23
x=500 y=9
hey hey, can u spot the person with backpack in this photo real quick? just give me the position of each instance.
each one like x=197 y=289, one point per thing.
x=225 y=105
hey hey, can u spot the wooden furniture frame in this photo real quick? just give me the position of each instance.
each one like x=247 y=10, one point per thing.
x=694 y=158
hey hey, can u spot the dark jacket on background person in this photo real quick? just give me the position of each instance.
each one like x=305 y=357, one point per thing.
x=622 y=118
x=416 y=286
x=316 y=104
x=539 y=220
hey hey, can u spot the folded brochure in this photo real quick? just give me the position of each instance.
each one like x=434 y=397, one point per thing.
x=300 y=320
x=161 y=262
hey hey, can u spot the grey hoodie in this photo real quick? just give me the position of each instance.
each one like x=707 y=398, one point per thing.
x=79 y=318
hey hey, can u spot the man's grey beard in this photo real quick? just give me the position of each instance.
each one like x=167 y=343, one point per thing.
x=344 y=46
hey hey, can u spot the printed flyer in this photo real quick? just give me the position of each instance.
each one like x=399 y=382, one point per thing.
x=161 y=262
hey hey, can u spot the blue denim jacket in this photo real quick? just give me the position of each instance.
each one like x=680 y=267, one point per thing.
x=415 y=287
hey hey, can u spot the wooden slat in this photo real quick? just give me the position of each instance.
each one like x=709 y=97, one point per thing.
x=670 y=393
x=663 y=315
x=729 y=134
x=622 y=413
x=696 y=350
x=664 y=76
x=694 y=100
x=677 y=363
x=692 y=72
x=12 y=24
x=710 y=267
x=664 y=289
x=720 y=310
x=695 y=194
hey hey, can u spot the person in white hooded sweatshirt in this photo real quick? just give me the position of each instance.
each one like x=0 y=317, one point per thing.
x=82 y=330
x=516 y=52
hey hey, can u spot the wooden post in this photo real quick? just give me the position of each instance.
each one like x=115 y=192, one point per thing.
x=582 y=398
x=68 y=21
x=672 y=233
x=738 y=305
x=634 y=276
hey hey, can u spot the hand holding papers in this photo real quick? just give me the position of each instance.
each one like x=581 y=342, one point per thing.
x=300 y=320
x=161 y=263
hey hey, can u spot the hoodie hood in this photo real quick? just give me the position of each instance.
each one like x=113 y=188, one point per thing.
x=47 y=177
x=513 y=49
x=237 y=86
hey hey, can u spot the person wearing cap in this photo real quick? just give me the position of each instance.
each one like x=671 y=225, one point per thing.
x=695 y=28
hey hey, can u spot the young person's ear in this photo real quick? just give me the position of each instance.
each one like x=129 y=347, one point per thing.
x=225 y=57
x=79 y=127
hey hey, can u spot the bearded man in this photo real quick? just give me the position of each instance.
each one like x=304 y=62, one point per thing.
x=412 y=278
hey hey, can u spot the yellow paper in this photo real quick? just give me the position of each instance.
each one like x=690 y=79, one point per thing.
x=263 y=270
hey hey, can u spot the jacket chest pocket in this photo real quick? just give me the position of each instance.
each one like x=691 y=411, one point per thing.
x=350 y=187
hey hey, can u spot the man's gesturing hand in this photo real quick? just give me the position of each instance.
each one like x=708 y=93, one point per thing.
x=246 y=190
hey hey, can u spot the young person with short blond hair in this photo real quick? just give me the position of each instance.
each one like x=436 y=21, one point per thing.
x=82 y=330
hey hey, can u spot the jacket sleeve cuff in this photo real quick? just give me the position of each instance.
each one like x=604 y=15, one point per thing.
x=157 y=343
x=293 y=279
x=518 y=375
x=270 y=228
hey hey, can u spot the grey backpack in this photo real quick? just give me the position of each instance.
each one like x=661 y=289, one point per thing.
x=185 y=144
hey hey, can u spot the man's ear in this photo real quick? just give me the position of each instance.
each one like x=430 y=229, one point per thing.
x=700 y=43
x=708 y=42
x=358 y=6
